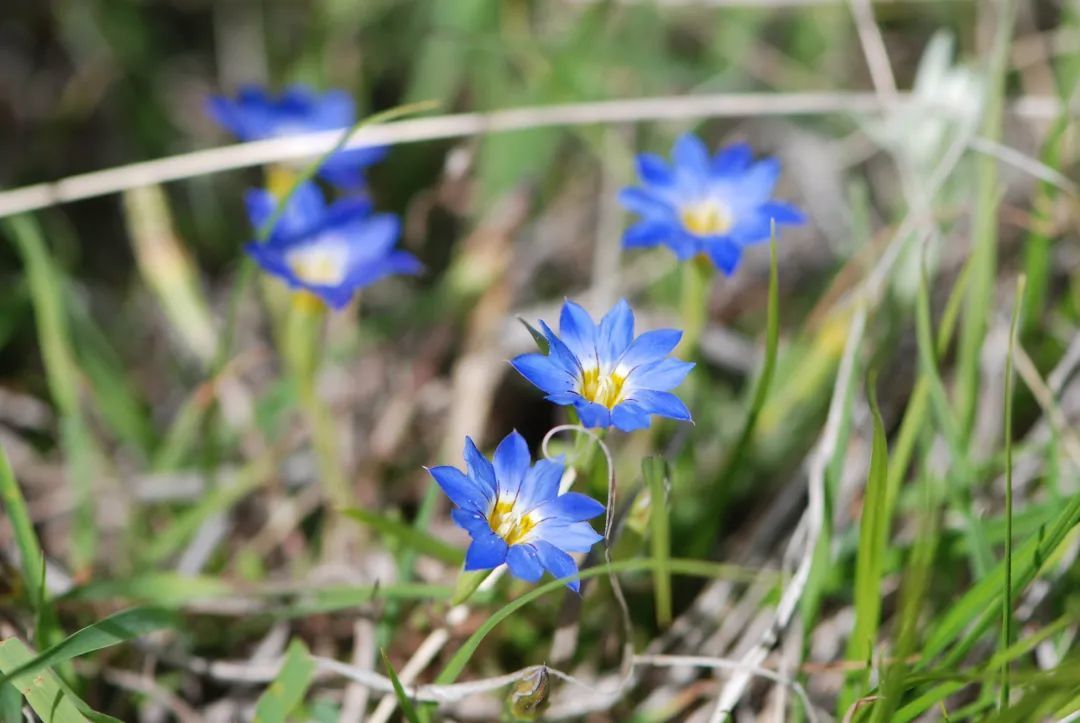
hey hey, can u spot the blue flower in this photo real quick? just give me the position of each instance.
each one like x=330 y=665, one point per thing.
x=331 y=251
x=255 y=115
x=515 y=514
x=608 y=376
x=706 y=205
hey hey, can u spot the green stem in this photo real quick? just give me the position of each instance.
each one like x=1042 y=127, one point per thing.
x=303 y=342
x=694 y=301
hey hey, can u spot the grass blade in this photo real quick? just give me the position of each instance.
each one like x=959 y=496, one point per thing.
x=289 y=687
x=80 y=452
x=41 y=690
x=409 y=536
x=761 y=390
x=655 y=472
x=115 y=629
x=407 y=708
x=678 y=566
x=1006 y=592
x=23 y=529
x=869 y=561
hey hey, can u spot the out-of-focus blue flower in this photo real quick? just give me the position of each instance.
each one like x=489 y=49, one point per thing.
x=255 y=115
x=606 y=374
x=515 y=514
x=704 y=204
x=331 y=251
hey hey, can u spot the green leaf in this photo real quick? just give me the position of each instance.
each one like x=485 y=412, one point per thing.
x=115 y=629
x=42 y=690
x=289 y=686
x=541 y=341
x=23 y=529
x=82 y=457
x=1006 y=588
x=160 y=589
x=870 y=559
x=696 y=568
x=655 y=472
x=407 y=707
x=409 y=536
x=733 y=465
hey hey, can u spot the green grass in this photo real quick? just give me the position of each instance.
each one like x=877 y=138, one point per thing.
x=942 y=577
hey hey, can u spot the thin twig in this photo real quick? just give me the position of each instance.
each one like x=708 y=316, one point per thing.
x=873 y=45
x=275 y=150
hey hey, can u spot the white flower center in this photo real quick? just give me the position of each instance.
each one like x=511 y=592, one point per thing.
x=319 y=264
x=708 y=217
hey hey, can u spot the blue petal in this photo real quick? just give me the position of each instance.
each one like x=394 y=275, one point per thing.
x=336 y=297
x=272 y=261
x=593 y=415
x=646 y=203
x=616 y=332
x=725 y=254
x=541 y=483
x=371 y=237
x=302 y=214
x=366 y=273
x=472 y=522
x=560 y=353
x=628 y=416
x=757 y=183
x=664 y=404
x=479 y=467
x=663 y=375
x=647 y=233
x=260 y=206
x=557 y=562
x=333 y=109
x=785 y=214
x=486 y=552
x=524 y=563
x=690 y=153
x=462 y=490
x=511 y=464
x=577 y=329
x=732 y=159
x=569 y=536
x=571 y=507
x=654 y=170
x=751 y=228
x=649 y=347
x=565 y=398
x=544 y=373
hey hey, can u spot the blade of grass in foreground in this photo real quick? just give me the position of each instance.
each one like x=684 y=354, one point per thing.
x=869 y=561
x=80 y=452
x=678 y=566
x=407 y=708
x=32 y=557
x=1006 y=592
x=655 y=472
x=289 y=687
x=115 y=629
x=42 y=691
x=409 y=536
x=985 y=223
x=757 y=401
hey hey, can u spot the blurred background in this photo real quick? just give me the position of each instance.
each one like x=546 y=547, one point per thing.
x=142 y=394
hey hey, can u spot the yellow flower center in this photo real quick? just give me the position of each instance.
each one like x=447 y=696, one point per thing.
x=706 y=218
x=605 y=389
x=317 y=266
x=507 y=524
